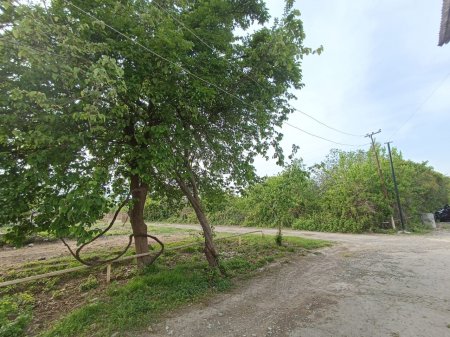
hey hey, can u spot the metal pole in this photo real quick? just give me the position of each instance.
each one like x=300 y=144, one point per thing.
x=402 y=220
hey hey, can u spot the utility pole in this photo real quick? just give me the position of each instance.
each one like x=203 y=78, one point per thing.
x=402 y=220
x=380 y=173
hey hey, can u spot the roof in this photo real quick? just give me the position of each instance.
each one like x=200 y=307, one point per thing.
x=444 y=35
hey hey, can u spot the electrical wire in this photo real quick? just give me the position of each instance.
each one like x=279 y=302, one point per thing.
x=156 y=54
x=246 y=75
x=187 y=70
x=421 y=104
x=323 y=138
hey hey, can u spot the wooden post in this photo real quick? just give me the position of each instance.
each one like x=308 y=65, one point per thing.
x=108 y=273
x=239 y=241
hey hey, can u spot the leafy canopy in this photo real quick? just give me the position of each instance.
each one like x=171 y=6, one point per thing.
x=86 y=107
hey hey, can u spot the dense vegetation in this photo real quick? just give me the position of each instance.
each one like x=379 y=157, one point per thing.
x=343 y=193
x=106 y=101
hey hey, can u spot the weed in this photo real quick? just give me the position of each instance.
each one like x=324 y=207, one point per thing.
x=50 y=283
x=90 y=283
x=15 y=314
x=279 y=238
x=59 y=293
x=270 y=259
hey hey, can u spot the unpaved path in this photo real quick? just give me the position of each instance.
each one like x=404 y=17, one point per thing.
x=365 y=285
x=10 y=257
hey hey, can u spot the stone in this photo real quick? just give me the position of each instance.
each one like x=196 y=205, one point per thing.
x=428 y=220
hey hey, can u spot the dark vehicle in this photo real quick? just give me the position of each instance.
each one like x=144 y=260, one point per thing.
x=443 y=214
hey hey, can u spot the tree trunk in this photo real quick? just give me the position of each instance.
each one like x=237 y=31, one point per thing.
x=210 y=249
x=139 y=194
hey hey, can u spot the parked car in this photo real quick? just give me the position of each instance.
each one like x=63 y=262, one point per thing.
x=443 y=214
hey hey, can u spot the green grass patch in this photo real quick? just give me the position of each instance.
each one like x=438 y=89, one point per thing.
x=179 y=277
x=153 y=228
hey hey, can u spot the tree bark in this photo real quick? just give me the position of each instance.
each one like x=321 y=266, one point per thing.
x=139 y=194
x=210 y=249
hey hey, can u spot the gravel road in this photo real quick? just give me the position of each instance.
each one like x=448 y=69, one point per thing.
x=365 y=285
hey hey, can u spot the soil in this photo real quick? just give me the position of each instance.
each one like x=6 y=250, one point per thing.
x=365 y=285
x=10 y=256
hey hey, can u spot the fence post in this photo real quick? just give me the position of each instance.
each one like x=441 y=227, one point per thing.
x=108 y=273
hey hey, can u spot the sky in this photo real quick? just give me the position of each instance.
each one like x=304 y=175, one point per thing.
x=380 y=66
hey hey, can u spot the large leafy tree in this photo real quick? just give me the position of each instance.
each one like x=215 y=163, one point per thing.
x=108 y=100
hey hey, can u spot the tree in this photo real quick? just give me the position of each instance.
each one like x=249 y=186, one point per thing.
x=109 y=100
x=422 y=189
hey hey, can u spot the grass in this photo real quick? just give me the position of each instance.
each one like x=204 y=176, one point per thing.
x=154 y=229
x=178 y=278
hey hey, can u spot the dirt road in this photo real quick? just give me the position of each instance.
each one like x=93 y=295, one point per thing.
x=365 y=285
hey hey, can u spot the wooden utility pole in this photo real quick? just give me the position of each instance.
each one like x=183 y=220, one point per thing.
x=380 y=173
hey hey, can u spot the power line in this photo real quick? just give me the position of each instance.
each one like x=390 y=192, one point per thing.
x=422 y=104
x=193 y=74
x=19 y=43
x=156 y=54
x=323 y=138
x=328 y=126
x=246 y=75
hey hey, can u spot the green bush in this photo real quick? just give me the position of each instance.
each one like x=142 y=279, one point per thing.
x=342 y=194
x=161 y=209
x=231 y=212
x=281 y=199
x=326 y=223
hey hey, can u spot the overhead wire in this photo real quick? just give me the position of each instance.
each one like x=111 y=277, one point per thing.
x=323 y=138
x=421 y=104
x=187 y=71
x=246 y=75
x=156 y=54
x=12 y=40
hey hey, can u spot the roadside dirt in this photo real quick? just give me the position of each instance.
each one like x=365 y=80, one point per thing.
x=365 y=285
x=46 y=250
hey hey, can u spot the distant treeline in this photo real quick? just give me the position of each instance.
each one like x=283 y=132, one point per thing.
x=342 y=194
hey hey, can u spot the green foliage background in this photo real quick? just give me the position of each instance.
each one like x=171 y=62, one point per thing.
x=341 y=194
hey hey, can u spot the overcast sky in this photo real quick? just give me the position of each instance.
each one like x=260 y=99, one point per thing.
x=380 y=65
